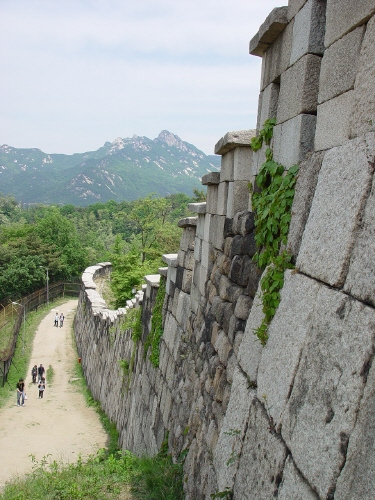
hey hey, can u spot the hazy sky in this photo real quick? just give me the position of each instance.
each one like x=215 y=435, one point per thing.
x=77 y=73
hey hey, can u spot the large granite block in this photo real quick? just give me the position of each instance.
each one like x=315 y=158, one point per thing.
x=229 y=445
x=198 y=249
x=262 y=459
x=323 y=405
x=294 y=486
x=227 y=166
x=343 y=186
x=211 y=199
x=207 y=227
x=238 y=198
x=242 y=163
x=363 y=116
x=287 y=335
x=343 y=15
x=360 y=281
x=293 y=139
x=268 y=32
x=294 y=6
x=199 y=233
x=357 y=479
x=216 y=237
x=308 y=30
x=333 y=121
x=222 y=196
x=277 y=56
x=268 y=104
x=304 y=192
x=339 y=65
x=299 y=87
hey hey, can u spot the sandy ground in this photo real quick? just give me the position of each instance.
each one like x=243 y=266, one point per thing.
x=60 y=424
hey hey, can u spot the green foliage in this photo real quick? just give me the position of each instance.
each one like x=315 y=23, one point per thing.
x=227 y=494
x=124 y=365
x=265 y=135
x=50 y=374
x=272 y=206
x=153 y=339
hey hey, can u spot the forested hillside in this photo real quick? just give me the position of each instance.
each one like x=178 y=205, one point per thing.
x=66 y=239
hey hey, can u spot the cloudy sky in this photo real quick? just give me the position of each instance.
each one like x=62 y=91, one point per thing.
x=77 y=73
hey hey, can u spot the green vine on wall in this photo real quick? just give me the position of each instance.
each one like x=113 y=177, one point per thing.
x=153 y=339
x=272 y=206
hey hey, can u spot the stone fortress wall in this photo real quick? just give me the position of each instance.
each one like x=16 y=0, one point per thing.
x=294 y=419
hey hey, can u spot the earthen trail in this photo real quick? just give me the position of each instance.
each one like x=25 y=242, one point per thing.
x=60 y=425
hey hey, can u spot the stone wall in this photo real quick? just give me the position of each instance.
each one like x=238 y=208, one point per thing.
x=293 y=419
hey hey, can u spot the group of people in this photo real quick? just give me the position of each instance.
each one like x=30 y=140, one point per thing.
x=37 y=373
x=59 y=319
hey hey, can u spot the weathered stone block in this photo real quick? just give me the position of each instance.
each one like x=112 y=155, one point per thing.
x=211 y=178
x=197 y=208
x=277 y=57
x=328 y=387
x=232 y=140
x=236 y=246
x=222 y=347
x=222 y=196
x=207 y=224
x=304 y=192
x=287 y=335
x=333 y=121
x=211 y=200
x=308 y=30
x=343 y=186
x=230 y=443
x=343 y=15
x=242 y=163
x=198 y=249
x=357 y=479
x=363 y=116
x=227 y=167
x=240 y=269
x=217 y=231
x=360 y=281
x=254 y=277
x=294 y=6
x=274 y=24
x=293 y=485
x=183 y=309
x=339 y=65
x=187 y=221
x=238 y=197
x=251 y=349
x=293 y=139
x=199 y=232
x=259 y=157
x=262 y=458
x=249 y=246
x=243 y=307
x=243 y=222
x=299 y=87
x=268 y=103
x=171 y=335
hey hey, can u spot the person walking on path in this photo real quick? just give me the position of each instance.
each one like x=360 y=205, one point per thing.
x=61 y=320
x=41 y=387
x=21 y=392
x=56 y=319
x=34 y=373
x=41 y=371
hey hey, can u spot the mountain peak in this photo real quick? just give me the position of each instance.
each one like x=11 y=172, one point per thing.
x=171 y=140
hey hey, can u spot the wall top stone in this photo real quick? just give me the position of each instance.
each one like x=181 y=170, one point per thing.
x=188 y=221
x=274 y=24
x=170 y=259
x=163 y=271
x=232 y=140
x=197 y=208
x=153 y=280
x=211 y=178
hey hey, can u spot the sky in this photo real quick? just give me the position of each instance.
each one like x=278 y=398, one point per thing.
x=78 y=73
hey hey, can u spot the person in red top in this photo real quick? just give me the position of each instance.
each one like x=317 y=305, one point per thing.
x=21 y=392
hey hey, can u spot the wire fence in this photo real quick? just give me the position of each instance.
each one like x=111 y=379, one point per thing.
x=11 y=318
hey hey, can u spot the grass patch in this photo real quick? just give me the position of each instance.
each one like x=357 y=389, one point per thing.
x=21 y=357
x=50 y=374
x=6 y=335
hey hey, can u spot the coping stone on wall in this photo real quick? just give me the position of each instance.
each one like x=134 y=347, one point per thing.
x=287 y=335
x=344 y=15
x=232 y=140
x=343 y=187
x=294 y=486
x=339 y=65
x=357 y=479
x=187 y=222
x=333 y=121
x=360 y=281
x=262 y=458
x=230 y=443
x=363 y=116
x=274 y=24
x=307 y=179
x=299 y=88
x=170 y=259
x=293 y=139
x=294 y=6
x=211 y=178
x=328 y=387
x=308 y=30
x=277 y=57
x=197 y=208
x=163 y=271
x=268 y=104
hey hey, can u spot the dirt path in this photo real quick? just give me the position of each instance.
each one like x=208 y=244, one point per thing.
x=60 y=424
